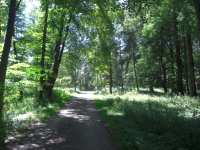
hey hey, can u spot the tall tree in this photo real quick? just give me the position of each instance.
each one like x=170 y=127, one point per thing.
x=197 y=8
x=58 y=53
x=44 y=40
x=190 y=63
x=179 y=71
x=3 y=65
x=110 y=30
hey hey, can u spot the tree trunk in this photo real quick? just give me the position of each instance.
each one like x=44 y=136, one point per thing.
x=185 y=64
x=190 y=63
x=15 y=50
x=135 y=73
x=121 y=72
x=197 y=8
x=179 y=71
x=59 y=49
x=164 y=74
x=53 y=72
x=44 y=39
x=3 y=66
x=151 y=89
x=110 y=76
x=172 y=62
x=0 y=28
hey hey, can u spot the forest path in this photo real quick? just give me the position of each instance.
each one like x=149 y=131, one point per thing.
x=77 y=126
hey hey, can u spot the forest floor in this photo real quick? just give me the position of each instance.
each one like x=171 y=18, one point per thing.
x=151 y=121
x=77 y=126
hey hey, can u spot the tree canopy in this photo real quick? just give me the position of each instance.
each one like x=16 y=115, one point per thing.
x=103 y=45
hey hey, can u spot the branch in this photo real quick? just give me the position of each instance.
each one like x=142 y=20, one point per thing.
x=18 y=4
x=65 y=37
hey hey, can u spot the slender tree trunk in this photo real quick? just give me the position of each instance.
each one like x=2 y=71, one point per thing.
x=3 y=66
x=172 y=81
x=135 y=73
x=197 y=8
x=15 y=50
x=1 y=20
x=185 y=64
x=110 y=28
x=49 y=84
x=191 y=72
x=179 y=71
x=0 y=27
x=164 y=74
x=111 y=77
x=59 y=49
x=44 y=39
x=151 y=89
x=121 y=71
x=122 y=78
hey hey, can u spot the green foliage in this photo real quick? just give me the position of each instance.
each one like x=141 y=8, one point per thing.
x=21 y=111
x=22 y=71
x=162 y=123
x=122 y=44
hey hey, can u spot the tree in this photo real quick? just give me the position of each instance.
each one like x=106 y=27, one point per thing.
x=179 y=71
x=44 y=39
x=4 y=63
x=190 y=65
x=58 y=53
x=197 y=8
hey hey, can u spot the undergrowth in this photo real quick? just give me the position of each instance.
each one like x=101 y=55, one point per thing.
x=151 y=122
x=24 y=109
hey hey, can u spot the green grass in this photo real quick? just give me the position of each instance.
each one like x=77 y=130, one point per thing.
x=22 y=111
x=152 y=122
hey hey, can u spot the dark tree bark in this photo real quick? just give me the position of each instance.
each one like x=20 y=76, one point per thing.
x=151 y=89
x=121 y=63
x=163 y=63
x=44 y=40
x=110 y=77
x=0 y=28
x=15 y=50
x=164 y=74
x=131 y=47
x=58 y=52
x=186 y=64
x=197 y=8
x=190 y=63
x=172 y=62
x=179 y=71
x=135 y=72
x=1 y=20
x=3 y=66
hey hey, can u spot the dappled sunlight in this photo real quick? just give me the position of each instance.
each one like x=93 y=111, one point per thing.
x=23 y=117
x=76 y=122
x=86 y=95
x=64 y=64
x=151 y=124
x=113 y=113
x=38 y=136
x=132 y=96
x=73 y=113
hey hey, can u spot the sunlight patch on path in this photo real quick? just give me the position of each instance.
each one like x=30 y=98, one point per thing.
x=71 y=113
x=87 y=95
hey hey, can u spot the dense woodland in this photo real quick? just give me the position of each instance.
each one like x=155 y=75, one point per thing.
x=109 y=46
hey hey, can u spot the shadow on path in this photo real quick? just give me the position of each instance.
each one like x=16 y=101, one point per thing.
x=76 y=127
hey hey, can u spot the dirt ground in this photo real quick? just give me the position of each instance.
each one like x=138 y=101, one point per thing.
x=76 y=127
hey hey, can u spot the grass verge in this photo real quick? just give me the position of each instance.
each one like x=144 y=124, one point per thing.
x=149 y=122
x=24 y=111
